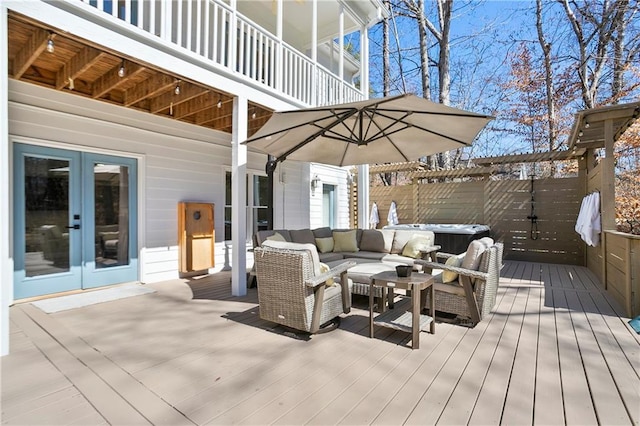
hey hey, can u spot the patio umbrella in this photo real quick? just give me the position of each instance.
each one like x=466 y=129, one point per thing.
x=392 y=129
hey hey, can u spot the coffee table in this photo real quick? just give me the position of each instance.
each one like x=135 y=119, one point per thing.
x=398 y=319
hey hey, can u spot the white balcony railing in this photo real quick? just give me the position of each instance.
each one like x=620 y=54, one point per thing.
x=205 y=27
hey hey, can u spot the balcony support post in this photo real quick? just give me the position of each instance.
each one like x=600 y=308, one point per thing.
x=239 y=191
x=364 y=61
x=6 y=264
x=341 y=53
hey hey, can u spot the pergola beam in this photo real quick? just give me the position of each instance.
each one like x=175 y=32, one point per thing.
x=529 y=158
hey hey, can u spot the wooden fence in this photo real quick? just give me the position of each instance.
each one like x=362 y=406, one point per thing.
x=504 y=206
x=622 y=254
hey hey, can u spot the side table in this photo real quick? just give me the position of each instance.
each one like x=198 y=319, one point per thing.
x=398 y=319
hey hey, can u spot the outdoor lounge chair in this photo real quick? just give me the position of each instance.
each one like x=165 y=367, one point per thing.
x=469 y=293
x=293 y=291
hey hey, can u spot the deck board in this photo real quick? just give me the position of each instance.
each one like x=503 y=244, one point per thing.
x=520 y=393
x=469 y=385
x=555 y=350
x=575 y=387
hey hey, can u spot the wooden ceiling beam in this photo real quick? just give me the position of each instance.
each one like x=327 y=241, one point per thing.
x=210 y=118
x=111 y=80
x=205 y=101
x=80 y=63
x=149 y=88
x=166 y=100
x=36 y=44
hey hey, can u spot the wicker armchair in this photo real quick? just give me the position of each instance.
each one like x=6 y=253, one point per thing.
x=292 y=291
x=473 y=294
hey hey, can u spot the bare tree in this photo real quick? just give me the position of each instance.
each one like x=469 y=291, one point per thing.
x=599 y=27
x=545 y=46
x=424 y=51
x=386 y=67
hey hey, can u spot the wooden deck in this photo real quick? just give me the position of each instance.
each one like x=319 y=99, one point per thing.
x=553 y=351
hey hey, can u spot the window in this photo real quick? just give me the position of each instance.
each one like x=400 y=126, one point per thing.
x=257 y=213
x=328 y=205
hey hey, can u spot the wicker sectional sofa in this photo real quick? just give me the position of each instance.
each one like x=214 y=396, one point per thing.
x=373 y=250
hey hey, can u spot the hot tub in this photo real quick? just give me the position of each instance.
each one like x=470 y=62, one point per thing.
x=452 y=237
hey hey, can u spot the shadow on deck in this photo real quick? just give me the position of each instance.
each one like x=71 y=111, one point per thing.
x=555 y=350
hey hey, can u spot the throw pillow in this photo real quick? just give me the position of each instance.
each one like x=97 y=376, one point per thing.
x=325 y=245
x=345 y=241
x=302 y=236
x=449 y=276
x=276 y=237
x=372 y=240
x=323 y=232
x=415 y=245
x=325 y=268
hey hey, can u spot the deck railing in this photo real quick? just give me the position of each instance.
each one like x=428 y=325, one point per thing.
x=205 y=27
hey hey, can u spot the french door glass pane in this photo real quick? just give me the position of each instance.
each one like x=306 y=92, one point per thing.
x=111 y=215
x=46 y=216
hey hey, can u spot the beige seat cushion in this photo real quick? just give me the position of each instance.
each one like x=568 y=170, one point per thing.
x=400 y=239
x=451 y=288
x=311 y=248
x=471 y=258
x=362 y=272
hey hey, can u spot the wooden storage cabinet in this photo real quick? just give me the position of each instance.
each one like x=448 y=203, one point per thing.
x=196 y=236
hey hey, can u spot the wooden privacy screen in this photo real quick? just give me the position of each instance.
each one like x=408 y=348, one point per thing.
x=196 y=236
x=504 y=206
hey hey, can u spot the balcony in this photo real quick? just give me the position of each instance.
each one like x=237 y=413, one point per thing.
x=222 y=36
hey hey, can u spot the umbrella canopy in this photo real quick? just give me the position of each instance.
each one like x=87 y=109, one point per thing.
x=392 y=129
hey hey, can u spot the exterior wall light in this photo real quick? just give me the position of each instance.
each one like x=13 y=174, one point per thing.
x=314 y=183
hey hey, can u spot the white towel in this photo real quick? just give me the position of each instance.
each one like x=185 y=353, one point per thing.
x=581 y=215
x=594 y=220
x=374 y=218
x=392 y=217
x=588 y=222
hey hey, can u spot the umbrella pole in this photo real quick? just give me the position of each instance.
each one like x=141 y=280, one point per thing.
x=270 y=168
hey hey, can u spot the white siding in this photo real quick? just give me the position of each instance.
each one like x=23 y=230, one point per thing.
x=333 y=176
x=291 y=197
x=177 y=162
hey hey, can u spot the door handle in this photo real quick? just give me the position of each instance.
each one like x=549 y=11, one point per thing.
x=76 y=226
